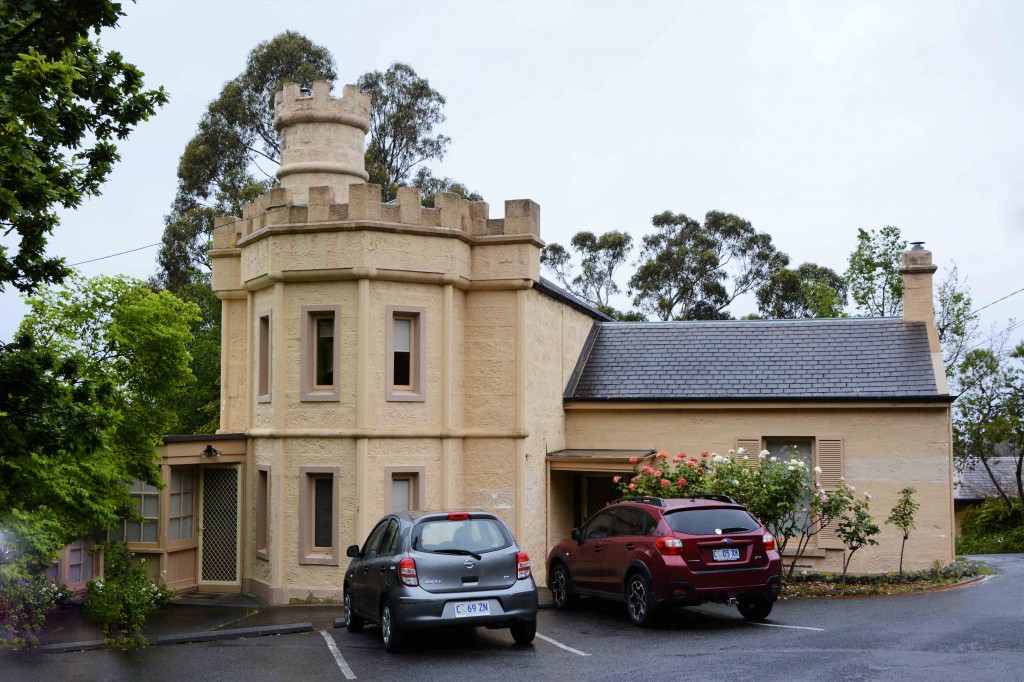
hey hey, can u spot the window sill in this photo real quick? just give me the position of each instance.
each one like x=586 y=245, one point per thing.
x=319 y=560
x=319 y=396
x=399 y=396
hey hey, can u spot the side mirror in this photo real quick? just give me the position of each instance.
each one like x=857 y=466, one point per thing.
x=353 y=551
x=577 y=535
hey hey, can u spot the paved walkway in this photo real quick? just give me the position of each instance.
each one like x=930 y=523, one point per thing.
x=196 y=617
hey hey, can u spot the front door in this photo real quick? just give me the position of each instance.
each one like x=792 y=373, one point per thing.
x=219 y=526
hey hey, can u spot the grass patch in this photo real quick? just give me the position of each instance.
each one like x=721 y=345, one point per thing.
x=830 y=584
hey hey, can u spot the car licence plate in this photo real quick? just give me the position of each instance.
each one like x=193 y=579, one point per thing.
x=730 y=554
x=472 y=608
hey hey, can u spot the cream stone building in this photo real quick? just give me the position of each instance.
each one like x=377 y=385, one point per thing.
x=381 y=356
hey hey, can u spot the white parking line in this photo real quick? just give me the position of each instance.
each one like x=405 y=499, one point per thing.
x=562 y=646
x=791 y=627
x=338 y=658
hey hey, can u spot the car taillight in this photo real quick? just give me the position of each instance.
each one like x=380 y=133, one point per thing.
x=460 y=516
x=669 y=545
x=522 y=566
x=407 y=572
x=769 y=541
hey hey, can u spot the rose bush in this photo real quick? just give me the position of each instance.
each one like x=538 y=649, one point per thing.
x=781 y=492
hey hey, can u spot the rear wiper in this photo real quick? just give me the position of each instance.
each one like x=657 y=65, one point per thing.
x=459 y=552
x=737 y=529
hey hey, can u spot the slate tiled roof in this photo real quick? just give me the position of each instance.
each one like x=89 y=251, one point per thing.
x=976 y=484
x=841 y=359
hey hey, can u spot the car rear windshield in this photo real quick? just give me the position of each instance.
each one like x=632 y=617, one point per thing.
x=471 y=535
x=713 y=521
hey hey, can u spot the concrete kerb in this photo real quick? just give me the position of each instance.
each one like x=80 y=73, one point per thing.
x=189 y=637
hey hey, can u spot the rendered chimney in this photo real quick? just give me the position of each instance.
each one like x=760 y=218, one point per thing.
x=916 y=269
x=321 y=138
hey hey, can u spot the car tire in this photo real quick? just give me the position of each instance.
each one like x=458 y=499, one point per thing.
x=639 y=600
x=561 y=588
x=524 y=632
x=353 y=623
x=390 y=633
x=755 y=608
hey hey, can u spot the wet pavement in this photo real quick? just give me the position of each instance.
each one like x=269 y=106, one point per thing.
x=196 y=613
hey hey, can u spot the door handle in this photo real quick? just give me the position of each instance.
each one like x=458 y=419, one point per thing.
x=630 y=548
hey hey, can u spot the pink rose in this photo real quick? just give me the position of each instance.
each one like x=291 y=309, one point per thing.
x=665 y=483
x=633 y=460
x=632 y=486
x=682 y=481
x=616 y=479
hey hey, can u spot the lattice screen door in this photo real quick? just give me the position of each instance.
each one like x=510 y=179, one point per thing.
x=219 y=530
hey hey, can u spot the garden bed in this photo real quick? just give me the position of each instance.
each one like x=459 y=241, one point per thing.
x=831 y=585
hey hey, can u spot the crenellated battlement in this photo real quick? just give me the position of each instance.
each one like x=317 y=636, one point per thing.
x=321 y=138
x=452 y=212
x=292 y=105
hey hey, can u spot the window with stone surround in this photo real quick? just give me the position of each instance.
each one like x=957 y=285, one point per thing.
x=262 y=511
x=321 y=352
x=263 y=350
x=406 y=362
x=405 y=488
x=318 y=513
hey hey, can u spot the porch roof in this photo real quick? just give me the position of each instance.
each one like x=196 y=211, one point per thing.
x=595 y=460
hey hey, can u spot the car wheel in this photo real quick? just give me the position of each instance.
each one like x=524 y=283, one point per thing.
x=639 y=600
x=524 y=632
x=390 y=633
x=353 y=623
x=755 y=608
x=561 y=587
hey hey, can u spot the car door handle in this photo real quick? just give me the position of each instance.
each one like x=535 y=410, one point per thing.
x=630 y=548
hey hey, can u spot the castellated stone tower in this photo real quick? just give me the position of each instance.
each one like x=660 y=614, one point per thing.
x=321 y=138
x=369 y=346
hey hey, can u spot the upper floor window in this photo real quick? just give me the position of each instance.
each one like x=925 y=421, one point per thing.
x=321 y=352
x=263 y=357
x=406 y=364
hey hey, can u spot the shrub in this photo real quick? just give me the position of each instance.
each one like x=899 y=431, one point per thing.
x=123 y=597
x=23 y=608
x=992 y=528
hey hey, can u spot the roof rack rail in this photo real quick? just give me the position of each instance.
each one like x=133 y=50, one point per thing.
x=643 y=499
x=716 y=498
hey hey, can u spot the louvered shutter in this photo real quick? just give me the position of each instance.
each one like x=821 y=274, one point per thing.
x=830 y=459
x=751 y=448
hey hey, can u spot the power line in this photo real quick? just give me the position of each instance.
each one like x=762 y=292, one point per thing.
x=976 y=310
x=93 y=260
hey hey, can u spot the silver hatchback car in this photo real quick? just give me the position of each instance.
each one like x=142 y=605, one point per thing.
x=431 y=569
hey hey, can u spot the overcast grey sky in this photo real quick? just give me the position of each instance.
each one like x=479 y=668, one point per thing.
x=810 y=119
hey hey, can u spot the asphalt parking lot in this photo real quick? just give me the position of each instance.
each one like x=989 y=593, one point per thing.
x=975 y=630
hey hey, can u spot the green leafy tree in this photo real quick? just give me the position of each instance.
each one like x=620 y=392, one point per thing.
x=989 y=414
x=810 y=290
x=600 y=257
x=873 y=272
x=902 y=516
x=856 y=529
x=86 y=391
x=430 y=185
x=690 y=271
x=63 y=104
x=198 y=410
x=403 y=112
x=231 y=159
x=955 y=320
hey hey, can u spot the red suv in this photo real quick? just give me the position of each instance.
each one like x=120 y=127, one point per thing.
x=653 y=553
